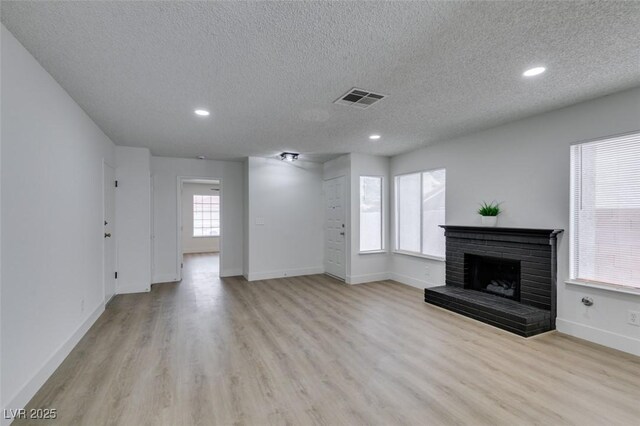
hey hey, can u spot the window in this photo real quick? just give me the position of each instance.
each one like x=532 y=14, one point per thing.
x=605 y=211
x=420 y=209
x=206 y=215
x=370 y=213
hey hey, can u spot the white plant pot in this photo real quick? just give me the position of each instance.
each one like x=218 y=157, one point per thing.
x=489 y=220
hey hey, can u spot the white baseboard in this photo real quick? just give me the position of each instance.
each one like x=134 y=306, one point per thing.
x=164 y=278
x=135 y=290
x=198 y=251
x=230 y=272
x=24 y=395
x=410 y=281
x=254 y=276
x=109 y=301
x=599 y=336
x=367 y=278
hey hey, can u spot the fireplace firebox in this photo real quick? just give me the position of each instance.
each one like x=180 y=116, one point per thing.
x=493 y=275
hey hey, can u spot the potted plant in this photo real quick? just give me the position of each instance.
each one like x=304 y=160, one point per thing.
x=489 y=213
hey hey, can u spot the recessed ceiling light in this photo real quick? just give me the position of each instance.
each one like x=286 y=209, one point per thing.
x=374 y=137
x=201 y=112
x=534 y=71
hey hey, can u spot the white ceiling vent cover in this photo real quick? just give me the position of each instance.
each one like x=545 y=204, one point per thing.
x=359 y=98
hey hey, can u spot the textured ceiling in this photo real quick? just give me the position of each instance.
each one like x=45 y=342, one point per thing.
x=269 y=72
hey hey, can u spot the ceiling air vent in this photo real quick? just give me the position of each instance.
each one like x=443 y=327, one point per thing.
x=359 y=98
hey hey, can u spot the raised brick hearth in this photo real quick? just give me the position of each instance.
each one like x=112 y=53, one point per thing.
x=505 y=277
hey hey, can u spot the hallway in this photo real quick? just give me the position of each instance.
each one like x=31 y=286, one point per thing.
x=201 y=267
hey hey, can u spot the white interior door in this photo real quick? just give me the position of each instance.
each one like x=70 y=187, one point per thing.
x=109 y=253
x=335 y=231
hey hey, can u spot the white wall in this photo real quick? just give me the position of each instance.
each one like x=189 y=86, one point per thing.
x=52 y=283
x=165 y=172
x=337 y=167
x=285 y=218
x=191 y=244
x=133 y=220
x=2 y=406
x=525 y=165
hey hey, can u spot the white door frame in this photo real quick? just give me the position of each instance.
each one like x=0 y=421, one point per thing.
x=345 y=216
x=113 y=219
x=152 y=233
x=181 y=180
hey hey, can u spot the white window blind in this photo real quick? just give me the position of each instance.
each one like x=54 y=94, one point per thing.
x=420 y=209
x=370 y=213
x=206 y=215
x=605 y=211
x=433 y=197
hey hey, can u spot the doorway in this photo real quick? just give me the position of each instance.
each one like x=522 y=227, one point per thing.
x=200 y=222
x=109 y=247
x=335 y=230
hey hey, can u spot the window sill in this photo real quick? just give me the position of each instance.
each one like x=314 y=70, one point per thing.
x=605 y=286
x=206 y=236
x=422 y=256
x=373 y=252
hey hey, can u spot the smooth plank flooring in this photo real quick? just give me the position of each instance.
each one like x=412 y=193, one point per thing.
x=312 y=350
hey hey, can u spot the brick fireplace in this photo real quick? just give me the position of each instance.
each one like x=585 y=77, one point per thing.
x=505 y=277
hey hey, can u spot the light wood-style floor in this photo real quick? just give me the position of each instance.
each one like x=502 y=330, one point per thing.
x=311 y=350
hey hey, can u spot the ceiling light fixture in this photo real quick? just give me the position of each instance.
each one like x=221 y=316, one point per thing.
x=289 y=156
x=534 y=71
x=374 y=137
x=202 y=112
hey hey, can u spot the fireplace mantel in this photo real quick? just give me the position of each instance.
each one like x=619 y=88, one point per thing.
x=527 y=235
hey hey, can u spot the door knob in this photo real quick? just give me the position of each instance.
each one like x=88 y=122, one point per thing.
x=342 y=233
x=107 y=234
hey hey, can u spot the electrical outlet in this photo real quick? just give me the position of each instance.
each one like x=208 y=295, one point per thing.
x=633 y=317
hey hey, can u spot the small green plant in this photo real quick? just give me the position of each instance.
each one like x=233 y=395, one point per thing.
x=489 y=209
